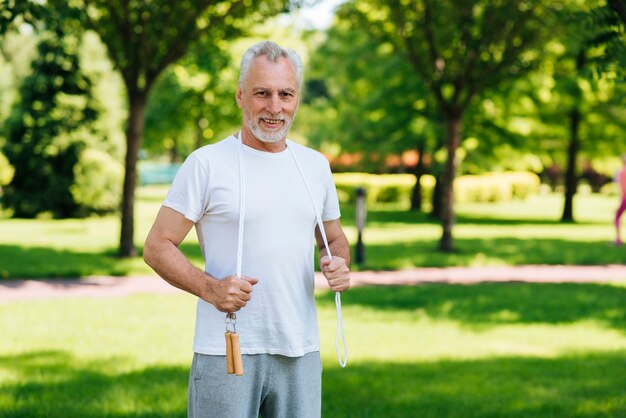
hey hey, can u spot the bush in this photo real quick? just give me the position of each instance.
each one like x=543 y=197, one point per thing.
x=6 y=171
x=98 y=182
x=611 y=189
x=496 y=187
x=397 y=188
x=381 y=188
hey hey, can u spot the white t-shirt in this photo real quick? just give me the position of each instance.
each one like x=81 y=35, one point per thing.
x=278 y=241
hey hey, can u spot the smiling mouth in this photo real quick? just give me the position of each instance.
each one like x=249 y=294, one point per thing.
x=272 y=122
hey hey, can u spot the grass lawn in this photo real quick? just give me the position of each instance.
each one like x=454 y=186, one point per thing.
x=484 y=350
x=517 y=232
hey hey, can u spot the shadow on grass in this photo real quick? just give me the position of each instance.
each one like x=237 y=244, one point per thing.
x=497 y=303
x=574 y=386
x=37 y=262
x=507 y=250
x=55 y=384
x=30 y=262
x=17 y=262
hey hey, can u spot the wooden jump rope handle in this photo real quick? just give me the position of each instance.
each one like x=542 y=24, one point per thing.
x=234 y=363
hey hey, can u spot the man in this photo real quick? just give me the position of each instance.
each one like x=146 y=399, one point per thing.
x=274 y=187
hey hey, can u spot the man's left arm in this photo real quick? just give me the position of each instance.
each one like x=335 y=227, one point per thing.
x=337 y=271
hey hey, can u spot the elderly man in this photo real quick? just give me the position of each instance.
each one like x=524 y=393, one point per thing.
x=256 y=199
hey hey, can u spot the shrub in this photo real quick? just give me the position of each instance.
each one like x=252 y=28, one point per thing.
x=381 y=188
x=98 y=182
x=496 y=187
x=6 y=171
x=397 y=188
x=611 y=189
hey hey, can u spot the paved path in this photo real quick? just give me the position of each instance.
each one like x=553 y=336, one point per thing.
x=121 y=286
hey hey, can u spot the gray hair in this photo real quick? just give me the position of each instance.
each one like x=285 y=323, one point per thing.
x=272 y=51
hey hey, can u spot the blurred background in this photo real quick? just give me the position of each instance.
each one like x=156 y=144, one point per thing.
x=484 y=133
x=513 y=98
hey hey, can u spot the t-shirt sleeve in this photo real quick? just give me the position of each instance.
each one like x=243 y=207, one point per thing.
x=331 y=210
x=188 y=194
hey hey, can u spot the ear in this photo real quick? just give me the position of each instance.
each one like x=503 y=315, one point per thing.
x=239 y=96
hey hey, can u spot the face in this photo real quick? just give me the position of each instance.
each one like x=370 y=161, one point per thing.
x=269 y=97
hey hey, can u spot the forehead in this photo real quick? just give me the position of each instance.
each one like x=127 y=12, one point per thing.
x=274 y=75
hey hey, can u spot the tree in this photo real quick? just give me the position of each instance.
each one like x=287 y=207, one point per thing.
x=572 y=102
x=142 y=40
x=458 y=49
x=356 y=103
x=192 y=103
x=45 y=133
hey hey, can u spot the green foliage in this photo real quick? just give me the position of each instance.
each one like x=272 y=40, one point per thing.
x=496 y=187
x=47 y=131
x=6 y=171
x=362 y=97
x=192 y=103
x=396 y=188
x=98 y=182
x=380 y=187
x=607 y=19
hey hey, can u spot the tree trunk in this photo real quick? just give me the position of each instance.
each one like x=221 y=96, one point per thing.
x=134 y=134
x=453 y=139
x=571 y=178
x=416 y=194
x=174 y=150
x=435 y=212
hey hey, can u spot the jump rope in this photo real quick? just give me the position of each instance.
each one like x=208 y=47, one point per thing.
x=234 y=363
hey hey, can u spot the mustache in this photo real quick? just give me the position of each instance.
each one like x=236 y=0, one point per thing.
x=279 y=117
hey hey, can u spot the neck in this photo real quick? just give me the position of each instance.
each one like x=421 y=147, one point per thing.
x=251 y=141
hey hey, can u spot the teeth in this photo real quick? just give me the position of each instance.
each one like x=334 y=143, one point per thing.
x=272 y=120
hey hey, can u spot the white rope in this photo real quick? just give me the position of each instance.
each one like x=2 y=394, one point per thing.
x=320 y=224
x=242 y=194
x=242 y=207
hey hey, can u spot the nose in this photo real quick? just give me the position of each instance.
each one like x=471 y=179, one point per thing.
x=274 y=105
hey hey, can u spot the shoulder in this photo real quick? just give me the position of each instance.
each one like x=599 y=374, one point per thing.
x=218 y=150
x=309 y=155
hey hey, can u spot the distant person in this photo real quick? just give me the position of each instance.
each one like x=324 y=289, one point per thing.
x=261 y=185
x=620 y=179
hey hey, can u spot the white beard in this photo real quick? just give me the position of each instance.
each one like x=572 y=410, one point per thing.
x=263 y=136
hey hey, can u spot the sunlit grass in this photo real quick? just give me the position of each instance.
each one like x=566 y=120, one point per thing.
x=506 y=233
x=488 y=350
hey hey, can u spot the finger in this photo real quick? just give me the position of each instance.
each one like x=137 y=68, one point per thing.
x=232 y=308
x=245 y=286
x=340 y=287
x=337 y=263
x=251 y=280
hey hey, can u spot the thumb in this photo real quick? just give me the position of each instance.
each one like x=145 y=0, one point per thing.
x=250 y=280
x=324 y=261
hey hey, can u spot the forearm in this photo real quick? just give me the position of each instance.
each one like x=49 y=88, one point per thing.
x=170 y=263
x=339 y=247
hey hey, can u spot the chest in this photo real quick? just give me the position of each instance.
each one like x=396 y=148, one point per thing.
x=274 y=193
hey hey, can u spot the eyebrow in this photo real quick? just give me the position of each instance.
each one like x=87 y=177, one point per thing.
x=286 y=90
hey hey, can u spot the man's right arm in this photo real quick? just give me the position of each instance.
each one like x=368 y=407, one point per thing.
x=161 y=252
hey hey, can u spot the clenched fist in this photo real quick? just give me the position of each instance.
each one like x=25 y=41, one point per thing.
x=336 y=272
x=231 y=293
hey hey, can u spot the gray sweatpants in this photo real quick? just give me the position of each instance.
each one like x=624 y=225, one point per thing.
x=272 y=386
